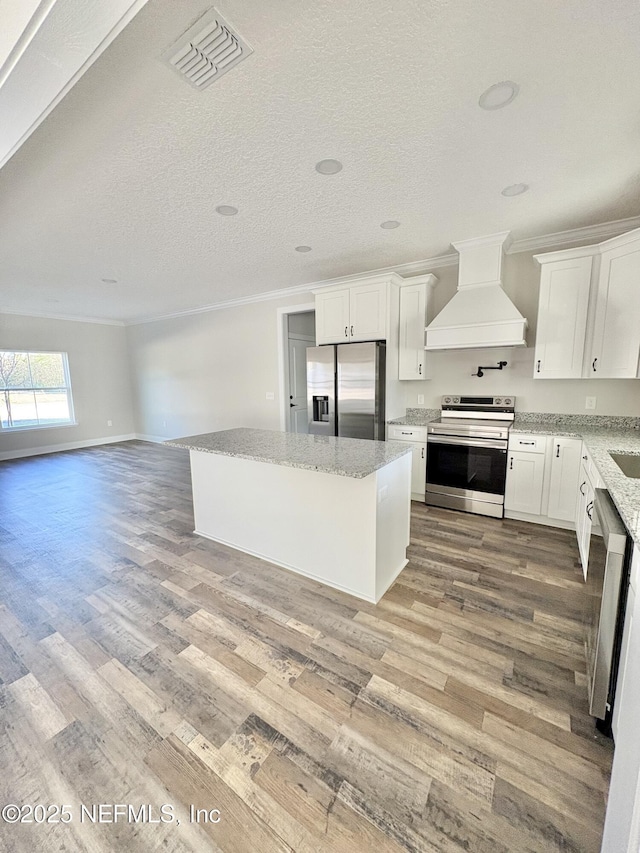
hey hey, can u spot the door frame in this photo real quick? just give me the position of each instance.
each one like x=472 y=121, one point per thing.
x=283 y=356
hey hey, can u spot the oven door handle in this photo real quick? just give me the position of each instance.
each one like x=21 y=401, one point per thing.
x=494 y=444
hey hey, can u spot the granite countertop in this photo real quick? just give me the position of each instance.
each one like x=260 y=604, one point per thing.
x=346 y=457
x=601 y=435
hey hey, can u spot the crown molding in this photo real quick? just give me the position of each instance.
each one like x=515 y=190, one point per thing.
x=575 y=235
x=99 y=320
x=406 y=271
x=403 y=270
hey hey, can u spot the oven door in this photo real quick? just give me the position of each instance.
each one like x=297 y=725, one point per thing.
x=472 y=468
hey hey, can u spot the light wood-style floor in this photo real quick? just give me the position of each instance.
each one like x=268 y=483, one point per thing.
x=141 y=664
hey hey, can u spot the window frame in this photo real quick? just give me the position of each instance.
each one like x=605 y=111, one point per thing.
x=66 y=387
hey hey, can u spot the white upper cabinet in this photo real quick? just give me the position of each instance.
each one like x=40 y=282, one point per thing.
x=562 y=317
x=588 y=311
x=616 y=331
x=412 y=358
x=368 y=312
x=352 y=313
x=332 y=316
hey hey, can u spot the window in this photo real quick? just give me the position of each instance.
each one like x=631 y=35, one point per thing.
x=35 y=390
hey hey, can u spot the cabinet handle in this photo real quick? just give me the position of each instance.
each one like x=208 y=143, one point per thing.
x=511 y=464
x=538 y=367
x=422 y=452
x=346 y=331
x=557 y=451
x=581 y=485
x=585 y=458
x=526 y=442
x=593 y=365
x=352 y=331
x=420 y=369
x=589 y=508
x=405 y=433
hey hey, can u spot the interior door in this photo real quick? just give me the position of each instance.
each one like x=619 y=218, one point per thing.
x=298 y=412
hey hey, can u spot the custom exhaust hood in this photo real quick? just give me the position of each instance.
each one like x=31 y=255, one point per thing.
x=480 y=313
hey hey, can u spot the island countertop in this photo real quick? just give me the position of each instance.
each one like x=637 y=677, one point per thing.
x=346 y=457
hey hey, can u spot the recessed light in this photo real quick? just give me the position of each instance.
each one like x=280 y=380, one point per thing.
x=226 y=210
x=303 y=248
x=109 y=280
x=515 y=189
x=498 y=95
x=329 y=167
x=389 y=224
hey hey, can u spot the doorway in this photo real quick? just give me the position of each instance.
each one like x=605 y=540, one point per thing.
x=298 y=332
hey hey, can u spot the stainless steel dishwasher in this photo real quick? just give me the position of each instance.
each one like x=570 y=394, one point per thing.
x=606 y=589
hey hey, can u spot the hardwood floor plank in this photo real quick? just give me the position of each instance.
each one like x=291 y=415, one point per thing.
x=140 y=661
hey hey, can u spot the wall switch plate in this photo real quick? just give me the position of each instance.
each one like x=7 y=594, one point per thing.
x=270 y=395
x=383 y=494
x=421 y=399
x=109 y=423
x=590 y=402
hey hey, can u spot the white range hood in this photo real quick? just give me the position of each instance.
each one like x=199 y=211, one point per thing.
x=480 y=314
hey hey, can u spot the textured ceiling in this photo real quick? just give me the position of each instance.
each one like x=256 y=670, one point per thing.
x=121 y=181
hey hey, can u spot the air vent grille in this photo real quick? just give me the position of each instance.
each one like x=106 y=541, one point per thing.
x=207 y=50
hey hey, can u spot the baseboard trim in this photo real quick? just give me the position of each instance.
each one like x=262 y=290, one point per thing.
x=154 y=439
x=540 y=519
x=67 y=445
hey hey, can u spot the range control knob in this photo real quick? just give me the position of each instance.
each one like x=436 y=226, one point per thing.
x=498 y=401
x=447 y=399
x=508 y=401
x=456 y=400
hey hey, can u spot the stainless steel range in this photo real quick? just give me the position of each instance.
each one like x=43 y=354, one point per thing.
x=467 y=454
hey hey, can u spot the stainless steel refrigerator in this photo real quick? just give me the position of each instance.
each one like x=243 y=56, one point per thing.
x=345 y=390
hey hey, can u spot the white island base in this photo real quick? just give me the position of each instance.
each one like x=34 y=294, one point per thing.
x=348 y=532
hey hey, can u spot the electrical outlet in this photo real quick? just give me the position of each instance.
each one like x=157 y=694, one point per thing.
x=590 y=402
x=270 y=395
x=421 y=399
x=383 y=494
x=109 y=423
x=164 y=424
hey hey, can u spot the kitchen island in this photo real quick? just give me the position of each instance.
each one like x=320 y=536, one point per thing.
x=333 y=509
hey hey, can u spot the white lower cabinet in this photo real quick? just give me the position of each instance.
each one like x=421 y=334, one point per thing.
x=622 y=822
x=565 y=470
x=588 y=481
x=525 y=477
x=542 y=477
x=417 y=438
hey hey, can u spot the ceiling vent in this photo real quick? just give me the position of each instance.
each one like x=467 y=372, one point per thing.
x=207 y=50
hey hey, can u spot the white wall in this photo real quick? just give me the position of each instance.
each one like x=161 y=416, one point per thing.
x=210 y=371
x=452 y=370
x=100 y=381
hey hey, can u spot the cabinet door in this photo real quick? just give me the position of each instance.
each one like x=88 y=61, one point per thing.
x=368 y=312
x=581 y=504
x=332 y=317
x=525 y=473
x=562 y=318
x=587 y=524
x=413 y=317
x=418 y=470
x=565 y=470
x=622 y=823
x=616 y=332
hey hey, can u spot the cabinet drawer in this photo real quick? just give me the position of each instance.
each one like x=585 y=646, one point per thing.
x=408 y=433
x=528 y=443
